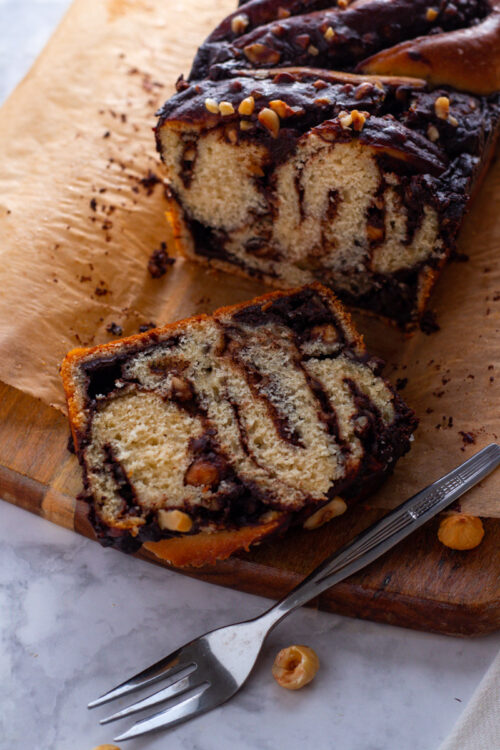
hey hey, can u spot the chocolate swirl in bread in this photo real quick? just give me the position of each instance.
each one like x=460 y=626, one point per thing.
x=317 y=170
x=233 y=426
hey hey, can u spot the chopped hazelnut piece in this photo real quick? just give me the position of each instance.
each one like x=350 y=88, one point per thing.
x=283 y=110
x=431 y=14
x=332 y=509
x=432 y=133
x=312 y=50
x=201 y=472
x=239 y=23
x=461 y=531
x=270 y=121
x=358 y=119
x=247 y=106
x=322 y=101
x=453 y=121
x=226 y=109
x=373 y=233
x=295 y=666
x=174 y=520
x=345 y=119
x=363 y=89
x=259 y=53
x=107 y=747
x=268 y=516
x=180 y=388
x=283 y=13
x=212 y=106
x=232 y=134
x=327 y=333
x=329 y=34
x=246 y=125
x=343 y=3
x=442 y=107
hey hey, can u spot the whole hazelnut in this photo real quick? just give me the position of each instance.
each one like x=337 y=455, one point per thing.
x=295 y=666
x=461 y=531
x=202 y=472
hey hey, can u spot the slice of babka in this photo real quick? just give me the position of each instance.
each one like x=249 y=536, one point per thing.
x=210 y=434
x=322 y=168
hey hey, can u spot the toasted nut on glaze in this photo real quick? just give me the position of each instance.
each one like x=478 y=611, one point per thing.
x=212 y=106
x=431 y=14
x=461 y=531
x=270 y=121
x=202 y=472
x=174 y=520
x=442 y=107
x=332 y=509
x=247 y=106
x=259 y=53
x=239 y=23
x=295 y=667
x=226 y=109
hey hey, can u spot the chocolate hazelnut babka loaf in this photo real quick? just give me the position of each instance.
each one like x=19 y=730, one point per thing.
x=319 y=169
x=210 y=434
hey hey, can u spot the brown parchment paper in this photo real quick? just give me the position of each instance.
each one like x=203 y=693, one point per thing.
x=82 y=209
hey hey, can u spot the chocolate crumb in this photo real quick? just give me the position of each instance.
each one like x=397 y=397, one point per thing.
x=146 y=327
x=114 y=328
x=150 y=182
x=429 y=410
x=160 y=261
x=100 y=291
x=401 y=383
x=428 y=323
x=467 y=437
x=93 y=204
x=70 y=445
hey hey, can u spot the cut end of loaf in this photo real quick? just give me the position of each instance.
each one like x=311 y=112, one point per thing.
x=236 y=424
x=357 y=182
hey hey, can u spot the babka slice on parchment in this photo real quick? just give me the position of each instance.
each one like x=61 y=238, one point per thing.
x=215 y=432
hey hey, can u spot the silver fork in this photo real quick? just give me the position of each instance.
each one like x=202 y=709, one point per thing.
x=220 y=661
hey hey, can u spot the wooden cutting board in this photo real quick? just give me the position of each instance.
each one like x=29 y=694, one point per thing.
x=419 y=584
x=77 y=131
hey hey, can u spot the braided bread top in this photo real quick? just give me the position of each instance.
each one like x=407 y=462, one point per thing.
x=453 y=42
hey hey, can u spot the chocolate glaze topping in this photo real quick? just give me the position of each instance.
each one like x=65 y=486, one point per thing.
x=331 y=38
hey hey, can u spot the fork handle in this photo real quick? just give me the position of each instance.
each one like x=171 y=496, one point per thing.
x=386 y=533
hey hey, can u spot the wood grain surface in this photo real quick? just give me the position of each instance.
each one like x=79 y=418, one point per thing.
x=52 y=238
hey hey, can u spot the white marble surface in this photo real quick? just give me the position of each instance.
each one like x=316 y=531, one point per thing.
x=76 y=619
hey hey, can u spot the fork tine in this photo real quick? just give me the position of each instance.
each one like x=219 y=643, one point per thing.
x=166 y=667
x=185 y=709
x=179 y=686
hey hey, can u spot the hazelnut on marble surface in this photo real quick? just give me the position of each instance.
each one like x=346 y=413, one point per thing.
x=295 y=666
x=461 y=531
x=332 y=509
